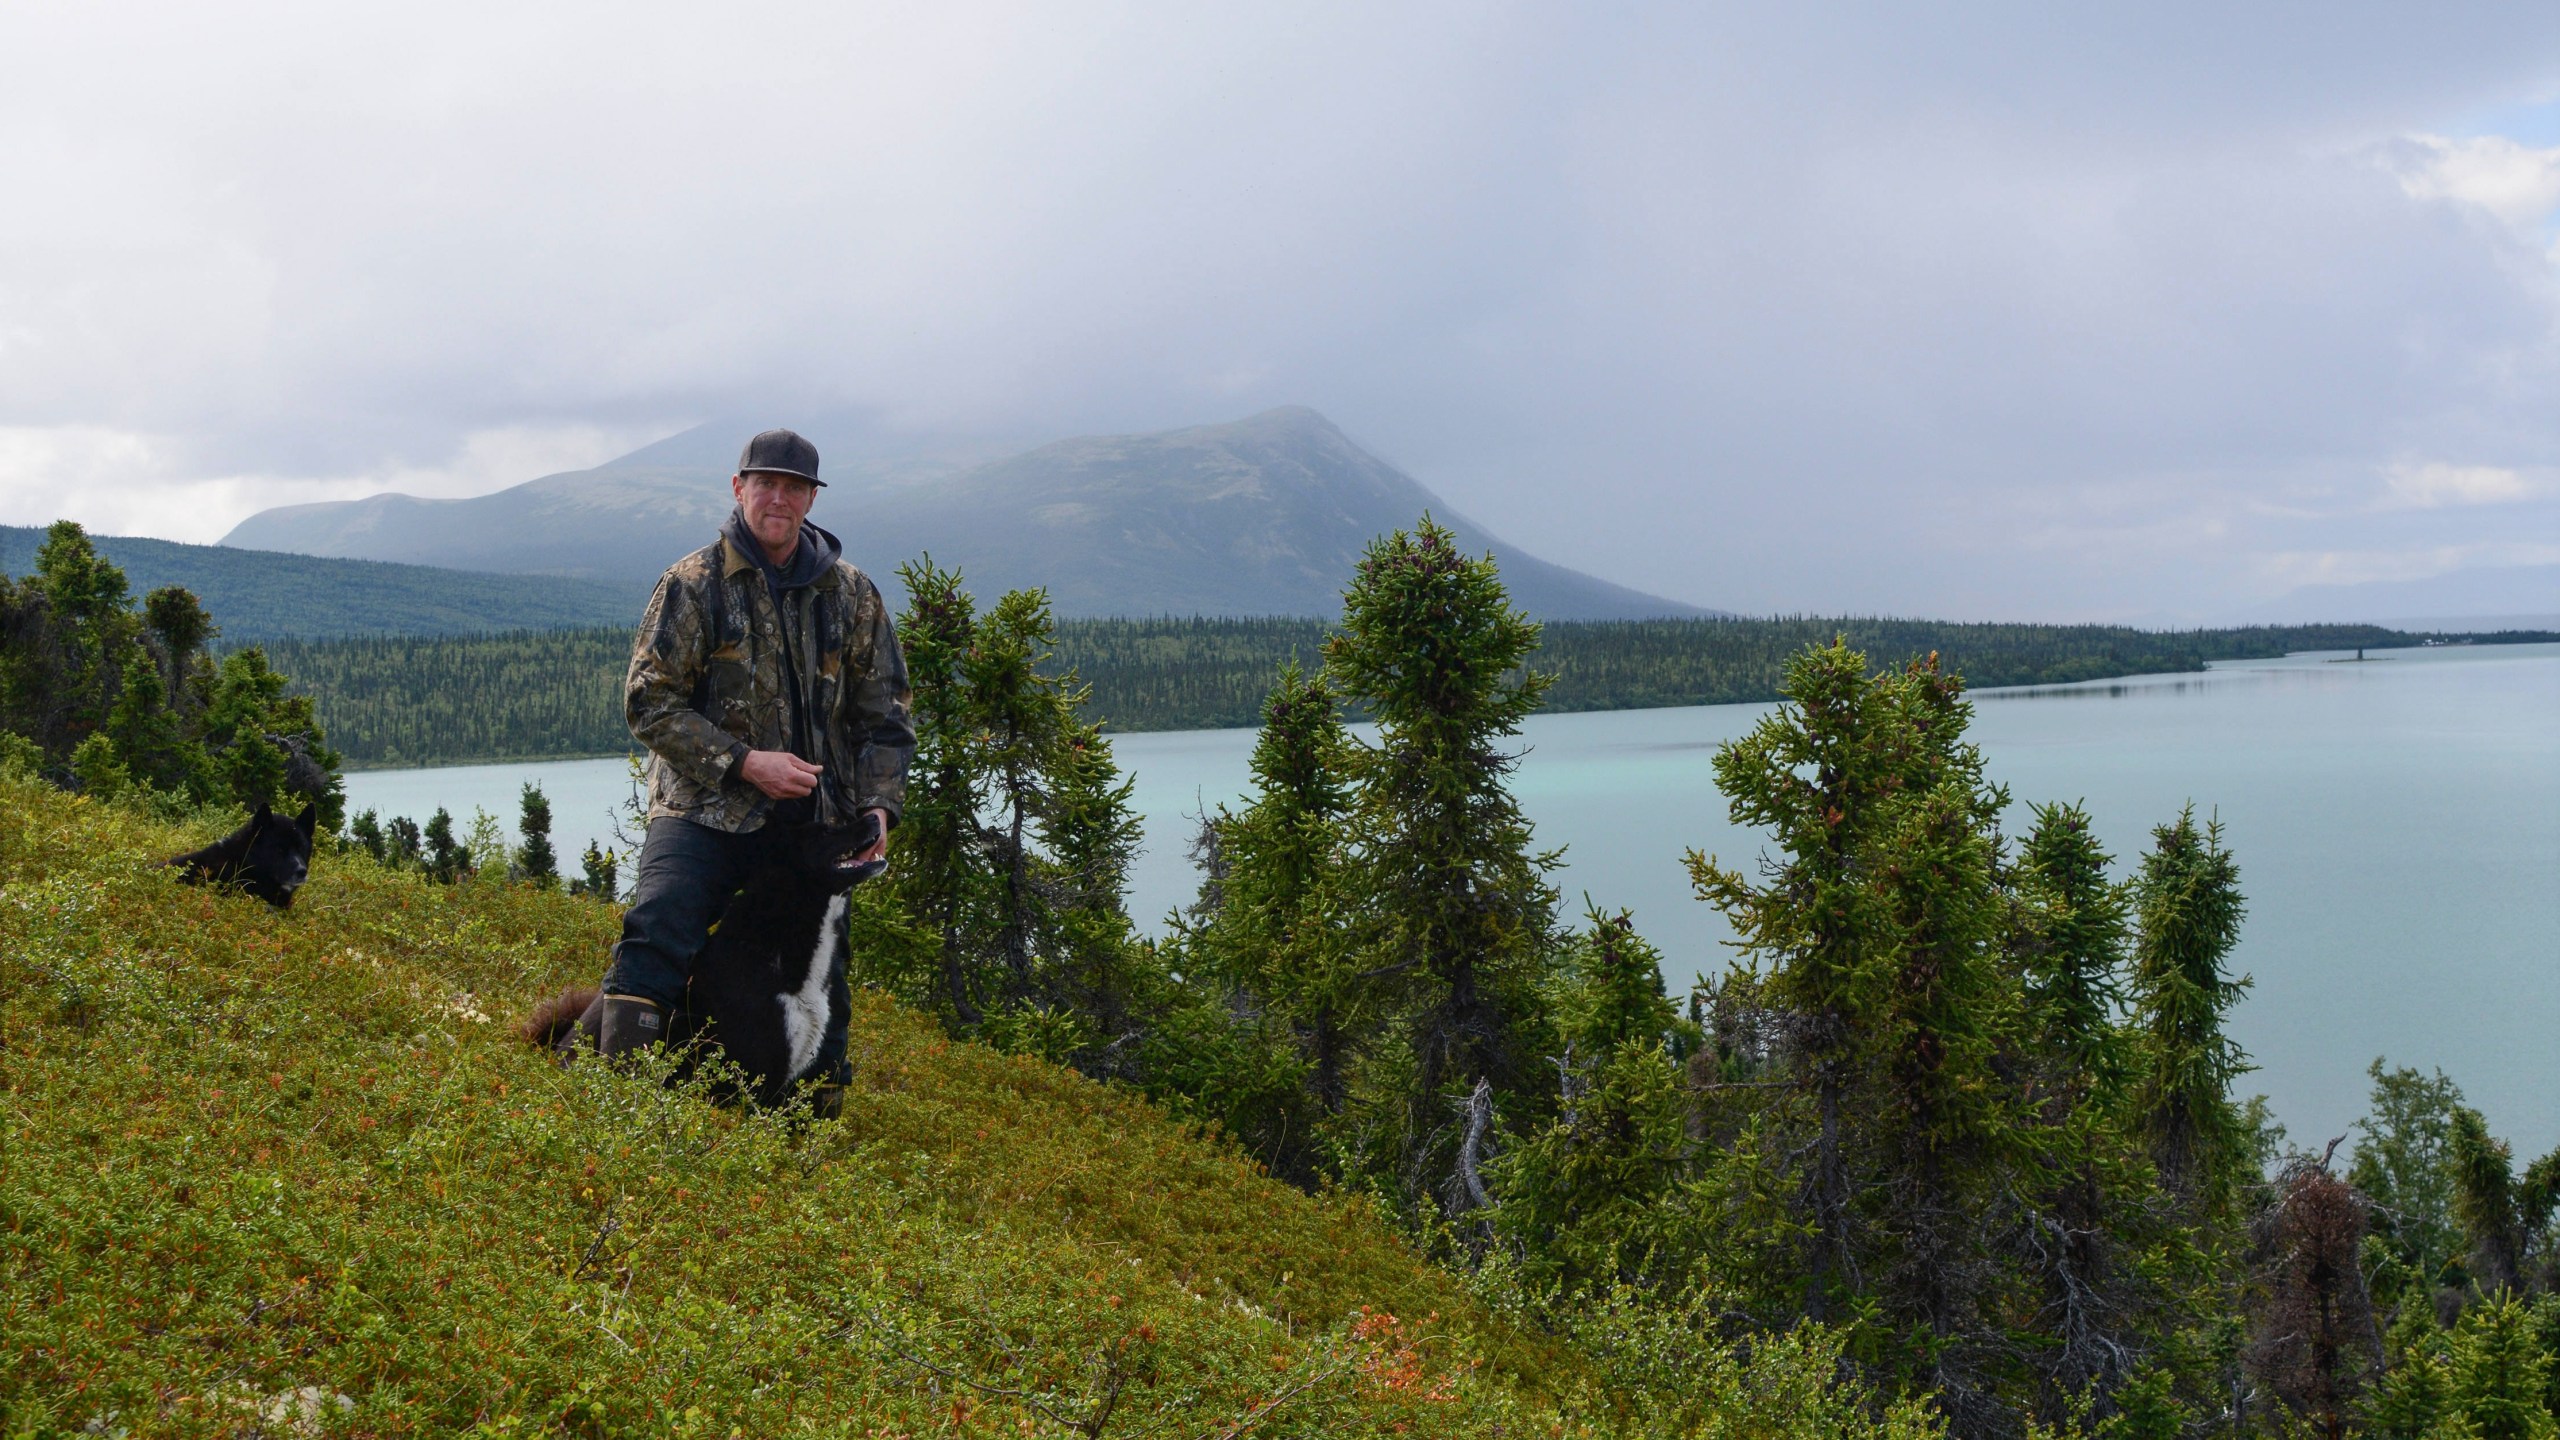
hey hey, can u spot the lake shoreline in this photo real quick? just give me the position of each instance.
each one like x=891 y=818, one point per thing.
x=558 y=694
x=1110 y=730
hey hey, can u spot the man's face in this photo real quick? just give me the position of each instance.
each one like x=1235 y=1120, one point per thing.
x=774 y=506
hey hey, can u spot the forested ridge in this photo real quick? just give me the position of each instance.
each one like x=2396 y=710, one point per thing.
x=436 y=699
x=264 y=595
x=422 y=700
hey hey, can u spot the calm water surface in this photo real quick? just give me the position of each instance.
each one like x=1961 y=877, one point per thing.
x=2396 y=823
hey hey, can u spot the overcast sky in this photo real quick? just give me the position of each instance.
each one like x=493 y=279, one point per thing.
x=2022 y=310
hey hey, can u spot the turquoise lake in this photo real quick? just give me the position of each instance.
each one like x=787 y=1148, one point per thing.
x=2396 y=824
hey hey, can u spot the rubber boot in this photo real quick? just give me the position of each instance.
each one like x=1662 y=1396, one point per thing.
x=628 y=1023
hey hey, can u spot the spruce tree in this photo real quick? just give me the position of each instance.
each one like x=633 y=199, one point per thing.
x=148 y=734
x=447 y=859
x=179 y=620
x=97 y=769
x=2497 y=1372
x=1455 y=911
x=1807 y=776
x=1278 y=927
x=1014 y=711
x=2546 y=1333
x=266 y=744
x=1913 y=1121
x=2409 y=1399
x=2188 y=910
x=535 y=861
x=1266 y=1022
x=2075 y=945
x=938 y=872
x=1593 y=1198
x=1089 y=831
x=599 y=875
x=1004 y=910
x=69 y=646
x=2402 y=1164
x=2506 y=1217
x=365 y=831
x=2096 y=1244
x=2484 y=1200
x=1884 y=923
x=179 y=629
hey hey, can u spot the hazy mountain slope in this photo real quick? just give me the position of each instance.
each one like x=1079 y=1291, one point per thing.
x=1262 y=516
x=619 y=523
x=258 y=596
x=2529 y=595
x=613 y=527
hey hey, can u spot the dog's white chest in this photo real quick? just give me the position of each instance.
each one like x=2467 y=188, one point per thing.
x=804 y=1011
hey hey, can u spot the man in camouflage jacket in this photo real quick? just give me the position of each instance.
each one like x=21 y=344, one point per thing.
x=767 y=684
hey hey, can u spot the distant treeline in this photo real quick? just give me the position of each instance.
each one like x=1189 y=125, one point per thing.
x=450 y=699
x=1210 y=674
x=425 y=700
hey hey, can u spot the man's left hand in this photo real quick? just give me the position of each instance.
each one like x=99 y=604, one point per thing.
x=880 y=846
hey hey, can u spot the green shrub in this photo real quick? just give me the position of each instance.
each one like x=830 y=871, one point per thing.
x=20 y=755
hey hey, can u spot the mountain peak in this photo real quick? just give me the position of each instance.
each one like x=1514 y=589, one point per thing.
x=1285 y=419
x=1263 y=515
x=1280 y=425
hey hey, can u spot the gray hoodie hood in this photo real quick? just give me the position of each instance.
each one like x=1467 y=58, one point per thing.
x=817 y=553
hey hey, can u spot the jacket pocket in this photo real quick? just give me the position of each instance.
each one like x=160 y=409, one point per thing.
x=728 y=685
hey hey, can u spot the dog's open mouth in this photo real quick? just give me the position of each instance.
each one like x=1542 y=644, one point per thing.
x=834 y=856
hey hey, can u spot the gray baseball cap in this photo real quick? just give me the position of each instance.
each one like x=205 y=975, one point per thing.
x=784 y=453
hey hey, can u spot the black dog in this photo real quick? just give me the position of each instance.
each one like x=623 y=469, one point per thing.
x=768 y=987
x=269 y=857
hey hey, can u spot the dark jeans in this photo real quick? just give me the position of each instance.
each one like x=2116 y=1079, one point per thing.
x=688 y=873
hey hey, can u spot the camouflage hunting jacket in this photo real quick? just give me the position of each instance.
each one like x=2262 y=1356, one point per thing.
x=707 y=684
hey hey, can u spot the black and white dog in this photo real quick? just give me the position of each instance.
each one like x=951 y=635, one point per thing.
x=269 y=857
x=767 y=989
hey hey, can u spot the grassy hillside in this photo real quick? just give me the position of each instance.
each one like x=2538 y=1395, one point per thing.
x=292 y=1174
x=428 y=700
x=261 y=595
x=293 y=1167
x=251 y=1153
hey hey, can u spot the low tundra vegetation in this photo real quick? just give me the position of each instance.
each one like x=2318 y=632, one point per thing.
x=294 y=1174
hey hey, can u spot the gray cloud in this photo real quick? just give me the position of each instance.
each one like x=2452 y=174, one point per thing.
x=2021 y=310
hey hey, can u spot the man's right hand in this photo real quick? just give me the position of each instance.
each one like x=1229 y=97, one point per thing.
x=780 y=774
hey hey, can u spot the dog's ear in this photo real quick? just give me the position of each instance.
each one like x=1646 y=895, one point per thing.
x=262 y=815
x=307 y=821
